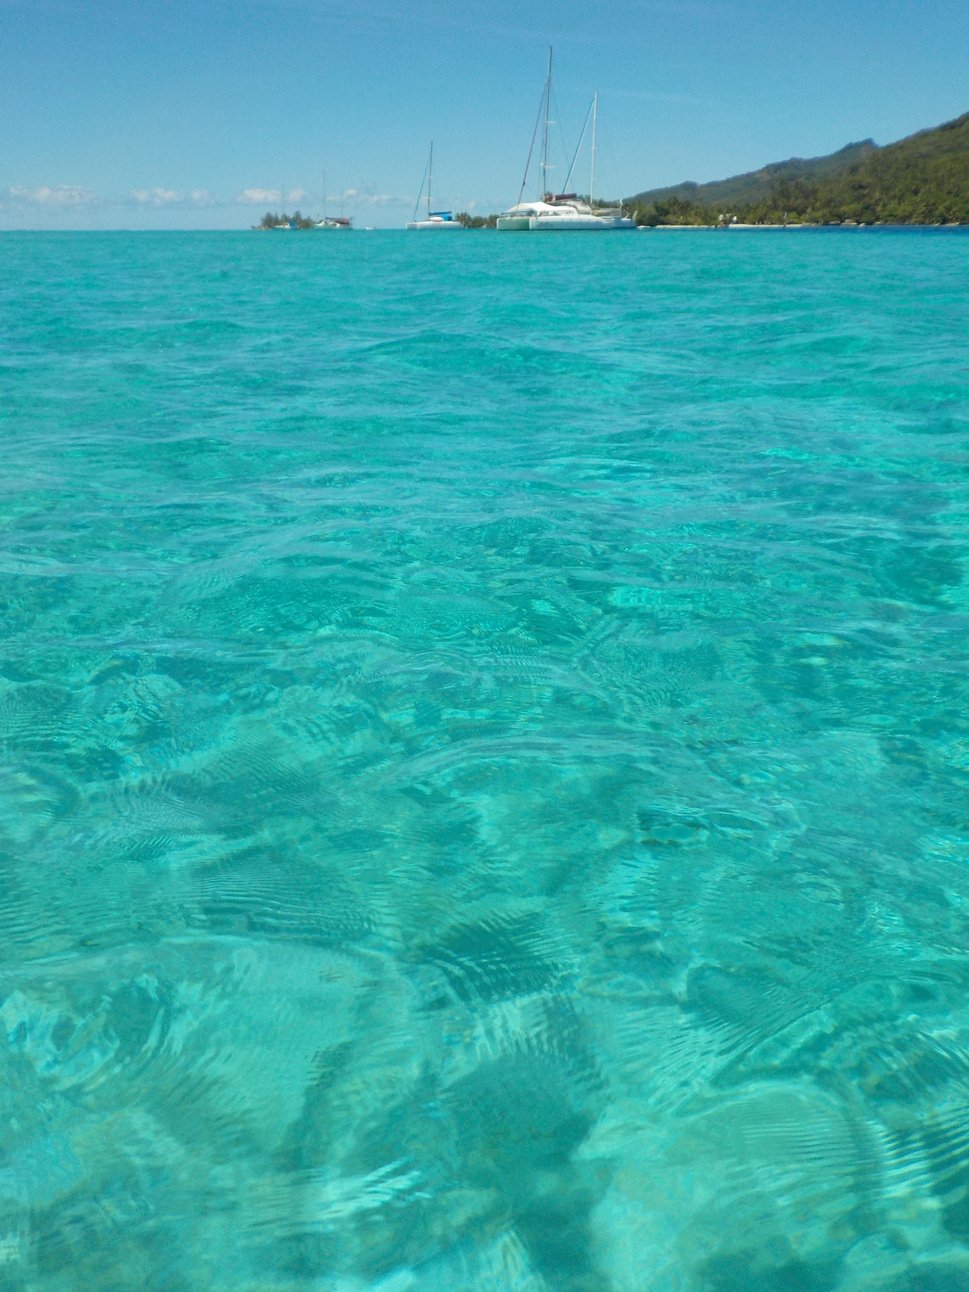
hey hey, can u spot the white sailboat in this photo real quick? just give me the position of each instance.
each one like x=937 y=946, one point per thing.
x=565 y=212
x=434 y=219
x=332 y=221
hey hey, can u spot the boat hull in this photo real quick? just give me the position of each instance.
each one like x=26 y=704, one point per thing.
x=578 y=224
x=560 y=217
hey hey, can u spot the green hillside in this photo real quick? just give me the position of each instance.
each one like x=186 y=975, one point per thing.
x=923 y=179
x=755 y=185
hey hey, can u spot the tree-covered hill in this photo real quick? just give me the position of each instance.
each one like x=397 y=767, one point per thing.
x=923 y=179
x=755 y=185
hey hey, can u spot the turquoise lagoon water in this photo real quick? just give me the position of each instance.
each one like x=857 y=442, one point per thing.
x=484 y=757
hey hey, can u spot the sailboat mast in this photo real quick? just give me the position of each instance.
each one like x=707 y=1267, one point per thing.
x=592 y=168
x=430 y=166
x=545 y=123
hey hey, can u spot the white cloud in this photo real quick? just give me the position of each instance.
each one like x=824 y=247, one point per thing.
x=264 y=196
x=156 y=197
x=360 y=198
x=72 y=195
x=270 y=197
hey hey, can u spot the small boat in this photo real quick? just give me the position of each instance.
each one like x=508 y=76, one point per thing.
x=433 y=219
x=561 y=212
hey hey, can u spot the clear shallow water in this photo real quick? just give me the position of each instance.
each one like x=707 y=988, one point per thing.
x=484 y=762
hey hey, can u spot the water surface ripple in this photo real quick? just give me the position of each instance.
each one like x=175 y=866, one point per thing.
x=484 y=763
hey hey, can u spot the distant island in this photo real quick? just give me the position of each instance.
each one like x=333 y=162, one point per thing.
x=276 y=220
x=280 y=220
x=923 y=179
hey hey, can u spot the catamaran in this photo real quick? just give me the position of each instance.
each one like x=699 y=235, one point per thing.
x=561 y=211
x=433 y=219
x=332 y=221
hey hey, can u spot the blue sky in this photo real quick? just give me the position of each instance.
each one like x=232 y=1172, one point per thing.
x=168 y=114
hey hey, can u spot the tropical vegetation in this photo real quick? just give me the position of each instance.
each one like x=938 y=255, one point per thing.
x=295 y=221
x=923 y=179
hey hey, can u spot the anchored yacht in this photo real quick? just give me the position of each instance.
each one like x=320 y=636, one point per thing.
x=433 y=219
x=564 y=212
